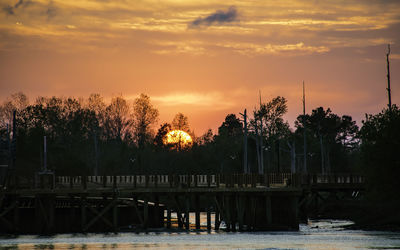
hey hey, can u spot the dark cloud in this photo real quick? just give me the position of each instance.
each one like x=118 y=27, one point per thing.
x=9 y=10
x=51 y=12
x=217 y=17
x=18 y=4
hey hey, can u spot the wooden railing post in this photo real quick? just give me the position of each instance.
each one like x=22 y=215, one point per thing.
x=146 y=180
x=188 y=180
x=315 y=180
x=84 y=181
x=253 y=180
x=114 y=181
x=170 y=180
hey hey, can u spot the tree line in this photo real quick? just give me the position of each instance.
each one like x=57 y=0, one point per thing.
x=90 y=136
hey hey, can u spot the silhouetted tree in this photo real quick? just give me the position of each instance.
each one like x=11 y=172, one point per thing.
x=228 y=144
x=159 y=140
x=181 y=122
x=380 y=150
x=144 y=115
x=118 y=121
x=334 y=135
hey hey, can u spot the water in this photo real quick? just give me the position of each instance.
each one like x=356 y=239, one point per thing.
x=322 y=234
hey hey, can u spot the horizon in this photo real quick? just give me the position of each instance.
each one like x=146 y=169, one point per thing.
x=204 y=59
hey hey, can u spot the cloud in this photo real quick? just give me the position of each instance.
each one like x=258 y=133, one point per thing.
x=216 y=100
x=9 y=10
x=251 y=49
x=218 y=17
x=184 y=47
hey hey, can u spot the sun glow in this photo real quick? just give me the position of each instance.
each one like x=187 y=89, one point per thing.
x=178 y=137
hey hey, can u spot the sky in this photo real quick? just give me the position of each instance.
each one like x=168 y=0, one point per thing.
x=205 y=58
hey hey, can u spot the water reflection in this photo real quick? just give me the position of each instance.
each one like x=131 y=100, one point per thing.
x=322 y=234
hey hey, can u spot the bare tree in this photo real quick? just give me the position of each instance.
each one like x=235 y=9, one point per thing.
x=180 y=122
x=118 y=122
x=144 y=115
x=17 y=102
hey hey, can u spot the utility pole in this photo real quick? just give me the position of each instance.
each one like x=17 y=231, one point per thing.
x=388 y=78
x=96 y=155
x=304 y=132
x=245 y=169
x=44 y=155
x=261 y=140
x=14 y=141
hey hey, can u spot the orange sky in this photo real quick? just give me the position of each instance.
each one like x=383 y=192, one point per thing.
x=204 y=58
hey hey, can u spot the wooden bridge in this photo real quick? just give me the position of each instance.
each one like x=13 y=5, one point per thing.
x=48 y=204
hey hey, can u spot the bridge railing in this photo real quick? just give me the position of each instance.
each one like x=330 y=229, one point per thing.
x=332 y=179
x=270 y=180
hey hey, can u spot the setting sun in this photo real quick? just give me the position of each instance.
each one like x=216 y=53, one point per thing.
x=178 y=137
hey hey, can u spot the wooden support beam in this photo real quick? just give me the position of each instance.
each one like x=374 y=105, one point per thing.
x=145 y=213
x=83 y=213
x=156 y=217
x=168 y=218
x=51 y=213
x=11 y=226
x=217 y=219
x=227 y=218
x=115 y=213
x=268 y=209
x=99 y=215
x=294 y=213
x=178 y=210
x=240 y=211
x=208 y=218
x=219 y=213
x=141 y=220
x=197 y=211
x=253 y=212
x=187 y=210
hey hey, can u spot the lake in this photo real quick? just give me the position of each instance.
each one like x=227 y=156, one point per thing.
x=317 y=234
